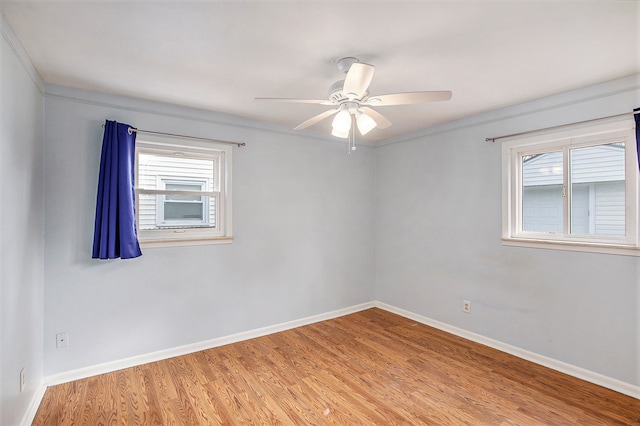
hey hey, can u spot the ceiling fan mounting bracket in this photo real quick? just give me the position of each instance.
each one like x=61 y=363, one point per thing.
x=344 y=64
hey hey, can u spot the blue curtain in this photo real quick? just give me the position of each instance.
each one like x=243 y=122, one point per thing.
x=115 y=233
x=636 y=115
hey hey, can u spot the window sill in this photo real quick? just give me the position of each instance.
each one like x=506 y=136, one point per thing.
x=184 y=242
x=616 y=249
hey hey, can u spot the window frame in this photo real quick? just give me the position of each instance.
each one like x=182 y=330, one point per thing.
x=565 y=141
x=188 y=234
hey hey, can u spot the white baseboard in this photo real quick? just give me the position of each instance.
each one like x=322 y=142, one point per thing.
x=108 y=367
x=572 y=370
x=563 y=367
x=30 y=414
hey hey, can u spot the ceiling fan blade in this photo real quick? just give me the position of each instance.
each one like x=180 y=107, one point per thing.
x=313 y=120
x=358 y=79
x=380 y=119
x=408 y=98
x=299 y=101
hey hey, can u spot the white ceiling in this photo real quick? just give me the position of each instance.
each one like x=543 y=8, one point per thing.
x=219 y=55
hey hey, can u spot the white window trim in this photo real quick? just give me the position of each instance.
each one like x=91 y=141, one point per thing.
x=222 y=233
x=578 y=137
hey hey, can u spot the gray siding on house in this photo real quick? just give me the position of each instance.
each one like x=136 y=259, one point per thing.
x=592 y=164
x=542 y=170
x=542 y=208
x=603 y=163
x=610 y=204
x=597 y=192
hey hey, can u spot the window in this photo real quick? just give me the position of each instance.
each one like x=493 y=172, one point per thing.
x=573 y=190
x=183 y=193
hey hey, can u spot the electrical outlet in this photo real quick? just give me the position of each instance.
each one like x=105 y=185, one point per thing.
x=466 y=306
x=62 y=340
x=23 y=380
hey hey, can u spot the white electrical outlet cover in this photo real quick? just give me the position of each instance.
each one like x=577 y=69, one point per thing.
x=62 y=340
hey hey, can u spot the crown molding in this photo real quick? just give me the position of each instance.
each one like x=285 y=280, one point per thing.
x=127 y=103
x=21 y=54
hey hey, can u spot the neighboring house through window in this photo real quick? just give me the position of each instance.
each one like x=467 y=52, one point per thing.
x=183 y=193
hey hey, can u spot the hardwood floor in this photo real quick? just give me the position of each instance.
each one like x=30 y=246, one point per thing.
x=371 y=367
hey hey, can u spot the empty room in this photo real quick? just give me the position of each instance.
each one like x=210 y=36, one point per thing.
x=319 y=212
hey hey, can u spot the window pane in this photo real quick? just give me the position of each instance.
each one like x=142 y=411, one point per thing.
x=154 y=213
x=183 y=211
x=598 y=190
x=183 y=187
x=173 y=186
x=542 y=201
x=175 y=173
x=152 y=167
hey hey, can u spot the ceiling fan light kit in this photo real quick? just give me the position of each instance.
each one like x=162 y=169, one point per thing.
x=365 y=123
x=351 y=98
x=342 y=121
x=340 y=133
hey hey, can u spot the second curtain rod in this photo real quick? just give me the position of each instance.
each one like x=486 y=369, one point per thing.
x=493 y=139
x=197 y=138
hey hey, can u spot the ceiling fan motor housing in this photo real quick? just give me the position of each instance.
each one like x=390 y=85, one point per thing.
x=336 y=93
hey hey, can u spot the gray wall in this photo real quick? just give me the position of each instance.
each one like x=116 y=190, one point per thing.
x=302 y=220
x=21 y=231
x=438 y=229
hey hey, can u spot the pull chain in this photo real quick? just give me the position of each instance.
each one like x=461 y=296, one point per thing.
x=351 y=143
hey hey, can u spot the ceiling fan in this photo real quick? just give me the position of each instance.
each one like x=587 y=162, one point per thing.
x=350 y=97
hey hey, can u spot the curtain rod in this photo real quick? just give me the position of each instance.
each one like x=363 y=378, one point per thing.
x=197 y=138
x=493 y=139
